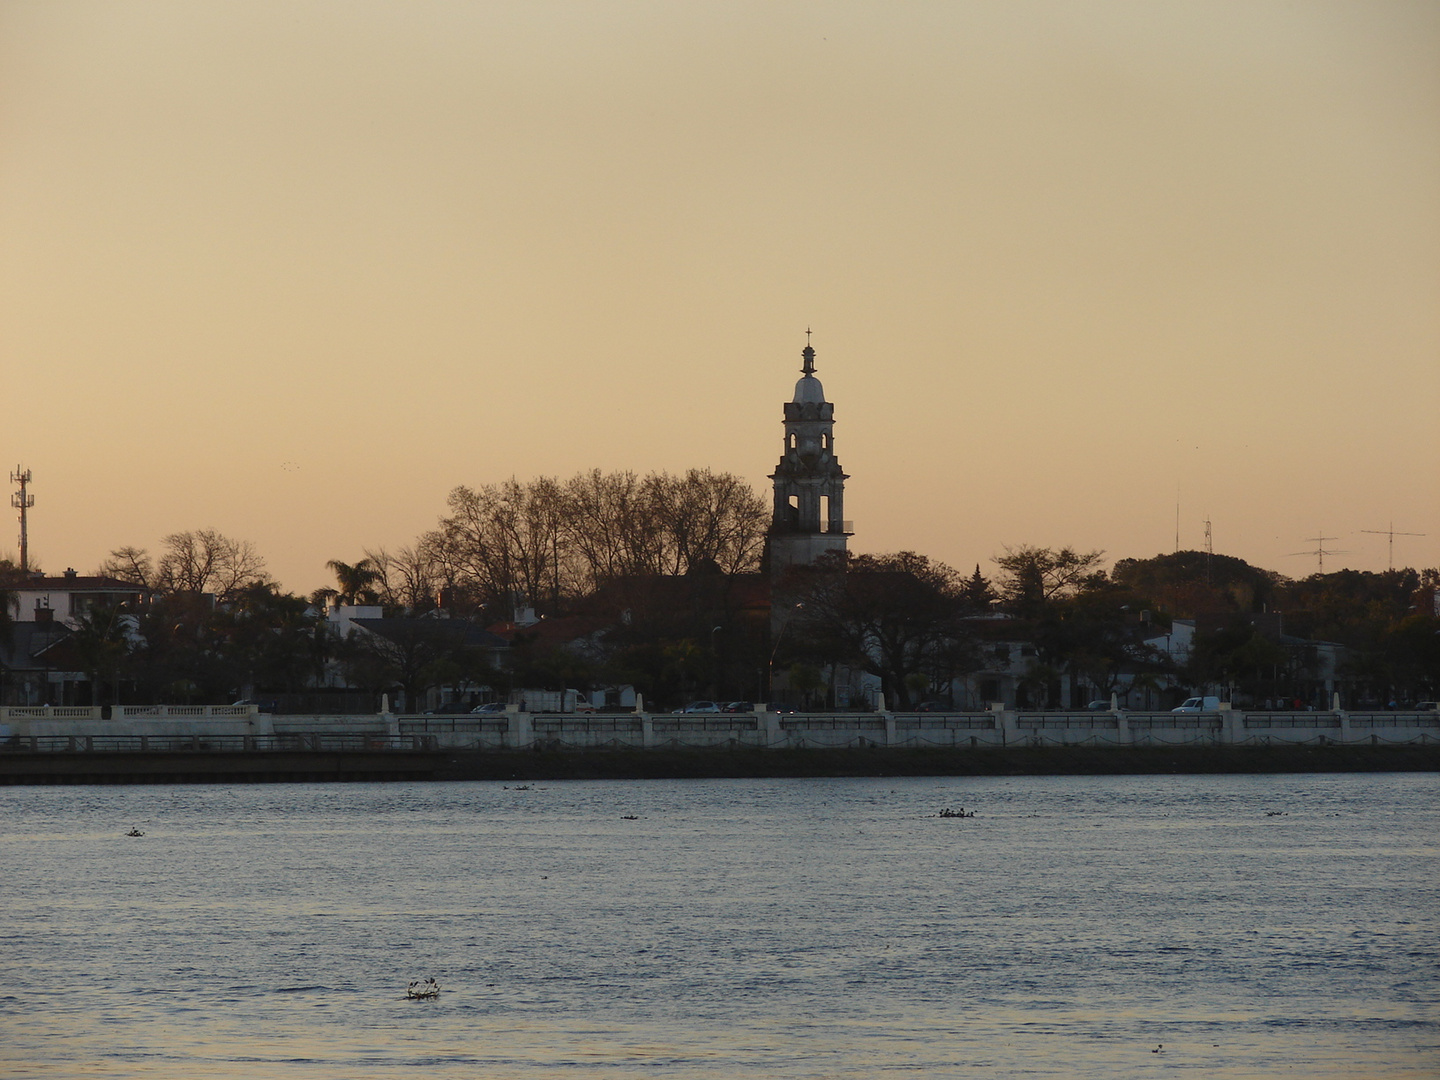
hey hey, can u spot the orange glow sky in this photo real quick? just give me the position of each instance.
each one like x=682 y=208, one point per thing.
x=293 y=270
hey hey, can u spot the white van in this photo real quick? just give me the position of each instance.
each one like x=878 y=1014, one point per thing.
x=1199 y=704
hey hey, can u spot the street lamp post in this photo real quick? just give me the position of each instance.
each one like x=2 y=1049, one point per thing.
x=779 y=636
x=715 y=659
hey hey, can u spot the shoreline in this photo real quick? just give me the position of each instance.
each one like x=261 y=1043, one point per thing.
x=247 y=767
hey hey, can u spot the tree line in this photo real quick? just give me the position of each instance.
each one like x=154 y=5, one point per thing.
x=654 y=581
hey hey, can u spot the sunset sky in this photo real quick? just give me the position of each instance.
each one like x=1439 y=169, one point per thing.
x=293 y=270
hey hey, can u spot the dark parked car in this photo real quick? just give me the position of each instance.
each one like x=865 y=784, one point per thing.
x=738 y=706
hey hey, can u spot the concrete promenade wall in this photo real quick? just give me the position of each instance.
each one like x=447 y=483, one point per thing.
x=230 y=728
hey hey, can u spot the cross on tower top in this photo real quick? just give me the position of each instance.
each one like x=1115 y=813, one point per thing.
x=809 y=355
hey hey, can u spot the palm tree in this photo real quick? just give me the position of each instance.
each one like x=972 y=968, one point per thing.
x=355 y=581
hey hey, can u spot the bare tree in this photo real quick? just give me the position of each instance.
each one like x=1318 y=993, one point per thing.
x=507 y=540
x=207 y=561
x=551 y=542
x=707 y=518
x=130 y=564
x=610 y=525
x=409 y=577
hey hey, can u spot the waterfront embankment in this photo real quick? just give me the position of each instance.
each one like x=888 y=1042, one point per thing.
x=238 y=744
x=311 y=766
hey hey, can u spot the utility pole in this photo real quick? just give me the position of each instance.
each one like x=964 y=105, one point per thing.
x=1391 y=533
x=22 y=501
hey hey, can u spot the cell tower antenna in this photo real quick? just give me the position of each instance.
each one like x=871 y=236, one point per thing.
x=22 y=500
x=1320 y=549
x=1391 y=533
x=1177 y=523
x=1209 y=549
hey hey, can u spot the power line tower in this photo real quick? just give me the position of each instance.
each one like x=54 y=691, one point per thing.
x=1320 y=549
x=1391 y=533
x=22 y=500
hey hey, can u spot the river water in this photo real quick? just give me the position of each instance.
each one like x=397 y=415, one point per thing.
x=1215 y=926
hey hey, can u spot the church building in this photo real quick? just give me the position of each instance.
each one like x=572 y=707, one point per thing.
x=809 y=514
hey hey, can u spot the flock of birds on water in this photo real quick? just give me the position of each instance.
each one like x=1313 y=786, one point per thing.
x=420 y=991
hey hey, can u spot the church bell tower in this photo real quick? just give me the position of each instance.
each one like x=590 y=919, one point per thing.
x=809 y=515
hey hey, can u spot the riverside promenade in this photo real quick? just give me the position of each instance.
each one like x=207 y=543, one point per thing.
x=239 y=744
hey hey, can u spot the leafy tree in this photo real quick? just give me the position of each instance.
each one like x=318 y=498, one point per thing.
x=1031 y=577
x=1096 y=636
x=414 y=655
x=9 y=602
x=1190 y=583
x=101 y=643
x=1239 y=655
x=266 y=641
x=891 y=615
x=1412 y=647
x=1353 y=607
x=648 y=617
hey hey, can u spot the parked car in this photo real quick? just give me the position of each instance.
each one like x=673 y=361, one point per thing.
x=933 y=706
x=1198 y=704
x=700 y=707
x=738 y=706
x=1099 y=706
x=489 y=708
x=1427 y=706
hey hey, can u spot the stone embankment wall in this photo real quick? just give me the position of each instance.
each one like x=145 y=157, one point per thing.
x=243 y=728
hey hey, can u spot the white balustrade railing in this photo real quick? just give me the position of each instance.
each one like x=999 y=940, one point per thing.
x=85 y=728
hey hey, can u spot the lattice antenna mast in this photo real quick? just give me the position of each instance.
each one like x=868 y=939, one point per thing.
x=1209 y=549
x=22 y=500
x=1320 y=549
x=1391 y=533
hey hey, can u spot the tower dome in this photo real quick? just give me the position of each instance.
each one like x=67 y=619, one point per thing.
x=808 y=391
